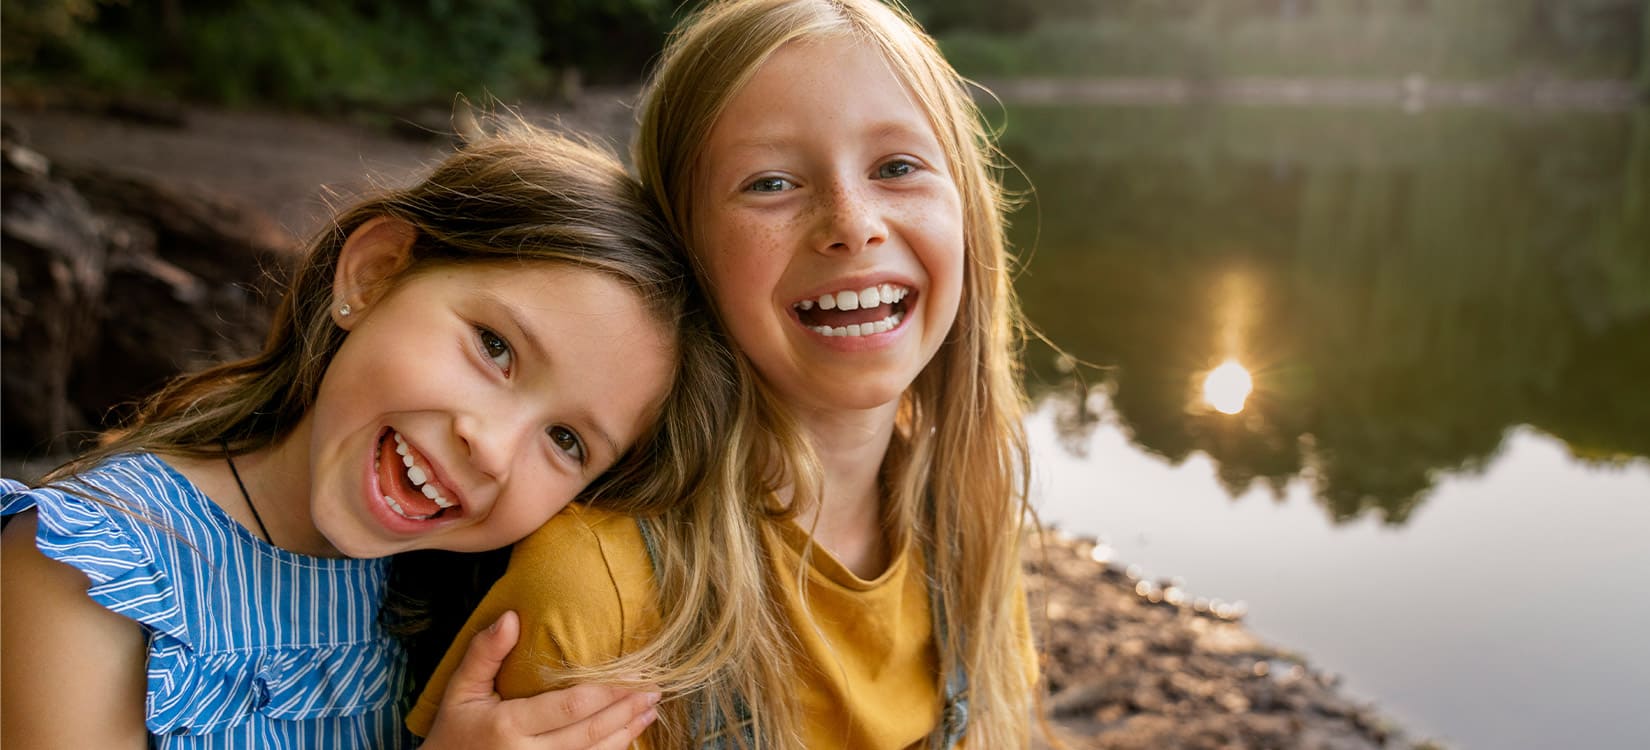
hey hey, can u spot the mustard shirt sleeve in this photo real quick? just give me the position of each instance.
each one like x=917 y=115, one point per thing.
x=570 y=583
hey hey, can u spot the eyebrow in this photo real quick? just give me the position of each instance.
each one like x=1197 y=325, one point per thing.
x=535 y=343
x=777 y=140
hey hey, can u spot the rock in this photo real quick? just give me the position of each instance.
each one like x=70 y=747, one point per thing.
x=113 y=284
x=1127 y=672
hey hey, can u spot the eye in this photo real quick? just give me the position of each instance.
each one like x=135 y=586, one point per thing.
x=769 y=185
x=567 y=441
x=495 y=348
x=895 y=168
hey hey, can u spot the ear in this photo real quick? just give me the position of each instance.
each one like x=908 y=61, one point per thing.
x=372 y=256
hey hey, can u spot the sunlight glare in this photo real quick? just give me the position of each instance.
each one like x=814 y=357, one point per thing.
x=1227 y=387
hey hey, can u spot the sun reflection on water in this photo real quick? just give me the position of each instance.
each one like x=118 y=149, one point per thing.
x=1227 y=387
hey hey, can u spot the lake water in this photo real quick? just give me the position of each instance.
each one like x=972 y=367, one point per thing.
x=1440 y=486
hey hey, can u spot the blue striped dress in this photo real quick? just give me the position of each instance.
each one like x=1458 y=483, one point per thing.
x=250 y=646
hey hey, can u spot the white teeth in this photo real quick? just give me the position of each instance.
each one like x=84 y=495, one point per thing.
x=395 y=506
x=418 y=476
x=861 y=329
x=862 y=299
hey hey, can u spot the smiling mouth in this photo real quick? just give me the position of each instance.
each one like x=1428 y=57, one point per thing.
x=408 y=483
x=856 y=312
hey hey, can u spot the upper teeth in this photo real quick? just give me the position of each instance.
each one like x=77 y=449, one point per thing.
x=855 y=299
x=417 y=475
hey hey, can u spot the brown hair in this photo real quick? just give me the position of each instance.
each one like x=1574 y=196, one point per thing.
x=516 y=195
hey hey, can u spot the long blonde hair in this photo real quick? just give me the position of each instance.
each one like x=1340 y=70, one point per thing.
x=956 y=472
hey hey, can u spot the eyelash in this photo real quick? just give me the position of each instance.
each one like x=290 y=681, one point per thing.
x=489 y=340
x=564 y=438
x=576 y=449
x=910 y=166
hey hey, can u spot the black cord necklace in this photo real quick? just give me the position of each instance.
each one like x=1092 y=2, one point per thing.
x=248 y=498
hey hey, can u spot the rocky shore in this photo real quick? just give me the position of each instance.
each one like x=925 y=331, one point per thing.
x=132 y=249
x=1133 y=664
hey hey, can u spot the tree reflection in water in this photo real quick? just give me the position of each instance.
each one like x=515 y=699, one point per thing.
x=1404 y=288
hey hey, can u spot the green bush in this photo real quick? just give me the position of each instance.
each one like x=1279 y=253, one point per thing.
x=320 y=54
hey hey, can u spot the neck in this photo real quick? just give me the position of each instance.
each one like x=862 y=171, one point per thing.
x=278 y=483
x=851 y=446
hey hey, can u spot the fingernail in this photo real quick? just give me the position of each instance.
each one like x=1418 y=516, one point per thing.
x=652 y=698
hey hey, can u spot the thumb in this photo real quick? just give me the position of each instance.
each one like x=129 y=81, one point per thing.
x=473 y=678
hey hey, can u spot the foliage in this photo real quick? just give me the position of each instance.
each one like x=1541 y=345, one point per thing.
x=1462 y=39
x=1406 y=288
x=319 y=54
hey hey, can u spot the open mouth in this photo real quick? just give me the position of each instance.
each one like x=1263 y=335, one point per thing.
x=408 y=482
x=856 y=312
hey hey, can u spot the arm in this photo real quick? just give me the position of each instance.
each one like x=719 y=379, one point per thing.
x=72 y=672
x=569 y=598
x=472 y=714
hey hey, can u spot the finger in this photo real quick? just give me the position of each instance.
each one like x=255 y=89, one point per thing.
x=613 y=727
x=559 y=709
x=473 y=678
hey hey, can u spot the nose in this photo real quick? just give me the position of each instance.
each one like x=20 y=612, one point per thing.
x=489 y=444
x=851 y=219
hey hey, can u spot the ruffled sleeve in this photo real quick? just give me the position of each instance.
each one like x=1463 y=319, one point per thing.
x=161 y=554
x=95 y=538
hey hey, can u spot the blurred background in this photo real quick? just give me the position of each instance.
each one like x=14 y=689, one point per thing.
x=1349 y=300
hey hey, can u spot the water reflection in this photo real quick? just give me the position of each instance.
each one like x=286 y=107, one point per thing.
x=1405 y=288
x=1226 y=387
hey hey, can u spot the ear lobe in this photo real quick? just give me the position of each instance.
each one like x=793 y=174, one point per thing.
x=372 y=256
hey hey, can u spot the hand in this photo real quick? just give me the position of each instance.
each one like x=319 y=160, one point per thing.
x=472 y=715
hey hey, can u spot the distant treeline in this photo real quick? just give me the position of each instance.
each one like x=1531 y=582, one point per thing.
x=1451 y=39
x=324 y=53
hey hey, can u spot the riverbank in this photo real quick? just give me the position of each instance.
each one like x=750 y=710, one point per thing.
x=1131 y=663
x=1134 y=664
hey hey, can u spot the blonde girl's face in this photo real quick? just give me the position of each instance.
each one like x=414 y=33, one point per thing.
x=469 y=404
x=829 y=227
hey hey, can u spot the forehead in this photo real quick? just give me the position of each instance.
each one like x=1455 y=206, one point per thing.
x=555 y=293
x=816 y=84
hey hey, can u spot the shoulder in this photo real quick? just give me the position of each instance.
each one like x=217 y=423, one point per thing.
x=582 y=539
x=584 y=582
x=110 y=523
x=127 y=494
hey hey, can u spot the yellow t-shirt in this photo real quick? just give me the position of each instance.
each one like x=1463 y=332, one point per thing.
x=584 y=588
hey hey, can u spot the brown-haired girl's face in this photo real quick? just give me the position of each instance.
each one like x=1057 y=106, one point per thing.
x=829 y=226
x=468 y=404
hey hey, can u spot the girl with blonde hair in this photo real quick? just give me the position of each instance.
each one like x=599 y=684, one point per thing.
x=451 y=365
x=852 y=579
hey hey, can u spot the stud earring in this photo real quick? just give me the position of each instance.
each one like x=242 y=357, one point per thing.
x=344 y=311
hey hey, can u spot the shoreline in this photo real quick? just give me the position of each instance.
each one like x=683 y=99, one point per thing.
x=1411 y=93
x=1133 y=663
x=1124 y=670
